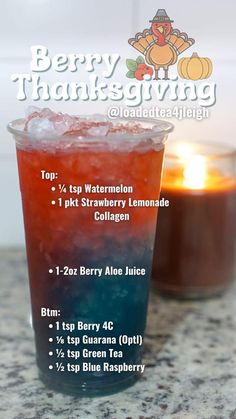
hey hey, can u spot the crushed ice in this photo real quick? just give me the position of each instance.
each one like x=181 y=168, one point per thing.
x=41 y=127
x=99 y=131
x=44 y=123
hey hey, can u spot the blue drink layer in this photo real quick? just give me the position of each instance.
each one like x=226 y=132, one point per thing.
x=121 y=300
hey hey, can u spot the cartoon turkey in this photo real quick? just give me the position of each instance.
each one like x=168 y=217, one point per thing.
x=161 y=44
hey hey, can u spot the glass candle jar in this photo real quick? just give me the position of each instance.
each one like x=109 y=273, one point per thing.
x=194 y=254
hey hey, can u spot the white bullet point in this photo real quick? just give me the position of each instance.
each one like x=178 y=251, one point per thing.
x=53 y=188
x=50 y=367
x=50 y=326
x=53 y=202
x=50 y=271
x=50 y=353
x=50 y=339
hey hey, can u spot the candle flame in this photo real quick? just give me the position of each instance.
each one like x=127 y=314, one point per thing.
x=195 y=172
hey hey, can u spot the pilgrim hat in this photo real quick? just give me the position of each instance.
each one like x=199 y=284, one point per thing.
x=161 y=16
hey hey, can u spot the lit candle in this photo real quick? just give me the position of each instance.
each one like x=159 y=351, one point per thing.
x=194 y=253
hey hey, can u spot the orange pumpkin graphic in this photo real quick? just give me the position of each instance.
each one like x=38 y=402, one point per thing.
x=194 y=67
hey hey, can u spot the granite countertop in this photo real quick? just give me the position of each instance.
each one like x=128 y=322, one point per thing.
x=190 y=356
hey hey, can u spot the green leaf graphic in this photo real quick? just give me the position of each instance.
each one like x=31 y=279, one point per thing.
x=140 y=60
x=131 y=64
x=130 y=74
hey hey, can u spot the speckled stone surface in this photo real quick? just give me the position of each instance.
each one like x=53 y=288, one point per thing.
x=190 y=356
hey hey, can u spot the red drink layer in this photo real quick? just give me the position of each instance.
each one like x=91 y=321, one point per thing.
x=57 y=235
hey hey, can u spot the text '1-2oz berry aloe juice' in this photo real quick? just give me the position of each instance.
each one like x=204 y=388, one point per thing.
x=90 y=190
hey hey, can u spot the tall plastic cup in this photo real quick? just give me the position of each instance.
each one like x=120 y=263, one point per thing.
x=90 y=210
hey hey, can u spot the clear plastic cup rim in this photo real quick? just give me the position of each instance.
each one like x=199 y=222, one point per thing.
x=159 y=131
